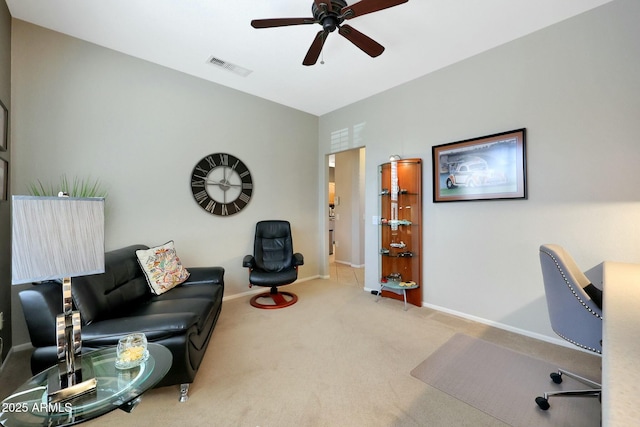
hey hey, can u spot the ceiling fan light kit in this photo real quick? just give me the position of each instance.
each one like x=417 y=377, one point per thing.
x=331 y=14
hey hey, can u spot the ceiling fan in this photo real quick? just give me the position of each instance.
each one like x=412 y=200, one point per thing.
x=331 y=14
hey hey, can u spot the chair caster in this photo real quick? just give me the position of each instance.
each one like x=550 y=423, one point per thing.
x=184 y=392
x=542 y=403
x=556 y=377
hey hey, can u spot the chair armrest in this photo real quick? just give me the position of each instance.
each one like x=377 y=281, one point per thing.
x=595 y=294
x=298 y=259
x=249 y=261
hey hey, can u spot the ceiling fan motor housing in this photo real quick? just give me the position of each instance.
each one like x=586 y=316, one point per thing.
x=330 y=20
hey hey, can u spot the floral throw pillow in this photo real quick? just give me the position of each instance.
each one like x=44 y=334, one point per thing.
x=162 y=267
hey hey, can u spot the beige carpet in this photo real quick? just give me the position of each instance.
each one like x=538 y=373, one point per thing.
x=335 y=358
x=504 y=383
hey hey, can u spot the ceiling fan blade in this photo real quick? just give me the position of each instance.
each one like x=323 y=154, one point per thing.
x=315 y=49
x=324 y=5
x=280 y=22
x=366 y=44
x=367 y=6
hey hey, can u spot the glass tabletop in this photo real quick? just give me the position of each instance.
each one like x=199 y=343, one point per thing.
x=116 y=388
x=391 y=285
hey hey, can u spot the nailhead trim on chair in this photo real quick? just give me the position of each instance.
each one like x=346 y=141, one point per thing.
x=577 y=344
x=575 y=294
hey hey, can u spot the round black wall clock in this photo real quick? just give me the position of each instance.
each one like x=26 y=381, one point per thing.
x=221 y=184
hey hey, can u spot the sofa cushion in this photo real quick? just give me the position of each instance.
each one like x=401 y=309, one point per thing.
x=112 y=293
x=162 y=267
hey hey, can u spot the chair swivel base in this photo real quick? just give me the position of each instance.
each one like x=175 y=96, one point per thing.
x=556 y=377
x=274 y=300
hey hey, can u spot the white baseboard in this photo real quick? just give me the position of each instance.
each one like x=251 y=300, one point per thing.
x=15 y=348
x=509 y=328
x=349 y=264
x=20 y=347
x=498 y=325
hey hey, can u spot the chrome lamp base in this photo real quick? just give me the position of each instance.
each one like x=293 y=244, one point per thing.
x=71 y=379
x=60 y=391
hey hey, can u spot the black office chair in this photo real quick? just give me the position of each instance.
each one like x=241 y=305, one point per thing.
x=273 y=264
x=575 y=312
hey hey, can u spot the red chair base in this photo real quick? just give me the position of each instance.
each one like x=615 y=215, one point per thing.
x=274 y=300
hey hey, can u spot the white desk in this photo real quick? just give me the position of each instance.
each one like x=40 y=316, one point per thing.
x=621 y=345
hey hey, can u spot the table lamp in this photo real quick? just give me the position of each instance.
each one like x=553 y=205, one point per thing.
x=57 y=238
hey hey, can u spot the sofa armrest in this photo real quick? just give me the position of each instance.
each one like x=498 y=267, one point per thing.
x=41 y=305
x=154 y=326
x=213 y=275
x=248 y=261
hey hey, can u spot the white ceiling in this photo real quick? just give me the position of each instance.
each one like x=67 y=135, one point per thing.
x=420 y=36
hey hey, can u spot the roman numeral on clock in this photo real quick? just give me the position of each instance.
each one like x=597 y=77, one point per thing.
x=201 y=196
x=244 y=197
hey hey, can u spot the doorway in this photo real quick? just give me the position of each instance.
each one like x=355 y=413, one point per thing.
x=346 y=185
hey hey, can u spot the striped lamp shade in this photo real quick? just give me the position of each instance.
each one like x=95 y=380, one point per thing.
x=56 y=237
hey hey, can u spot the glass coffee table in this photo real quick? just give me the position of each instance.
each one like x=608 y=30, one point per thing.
x=116 y=388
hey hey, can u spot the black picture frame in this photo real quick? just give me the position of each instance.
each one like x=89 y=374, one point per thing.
x=4 y=127
x=491 y=167
x=4 y=179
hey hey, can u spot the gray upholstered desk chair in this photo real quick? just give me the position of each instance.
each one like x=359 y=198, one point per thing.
x=575 y=313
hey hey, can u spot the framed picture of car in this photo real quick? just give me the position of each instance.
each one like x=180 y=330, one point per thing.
x=491 y=167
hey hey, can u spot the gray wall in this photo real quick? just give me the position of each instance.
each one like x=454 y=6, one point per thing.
x=5 y=216
x=575 y=86
x=84 y=110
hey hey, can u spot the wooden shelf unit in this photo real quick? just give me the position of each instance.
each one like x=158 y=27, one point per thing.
x=400 y=242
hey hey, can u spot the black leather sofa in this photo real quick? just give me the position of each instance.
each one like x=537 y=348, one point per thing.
x=119 y=301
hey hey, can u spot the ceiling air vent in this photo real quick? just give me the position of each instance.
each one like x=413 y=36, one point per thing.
x=236 y=69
